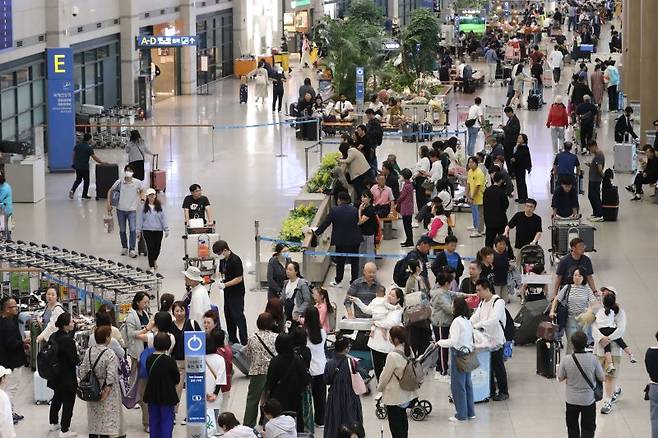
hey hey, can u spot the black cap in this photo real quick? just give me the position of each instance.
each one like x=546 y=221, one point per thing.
x=425 y=239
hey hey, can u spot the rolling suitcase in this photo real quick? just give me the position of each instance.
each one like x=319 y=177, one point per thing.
x=481 y=378
x=158 y=177
x=427 y=133
x=244 y=93
x=410 y=132
x=106 y=175
x=548 y=357
x=240 y=360
x=42 y=394
x=528 y=318
x=625 y=157
x=534 y=102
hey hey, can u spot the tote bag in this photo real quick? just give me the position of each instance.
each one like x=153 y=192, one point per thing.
x=358 y=385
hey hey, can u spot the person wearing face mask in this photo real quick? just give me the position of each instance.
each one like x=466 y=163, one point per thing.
x=130 y=195
x=232 y=282
x=276 y=270
x=6 y=205
x=153 y=226
x=197 y=297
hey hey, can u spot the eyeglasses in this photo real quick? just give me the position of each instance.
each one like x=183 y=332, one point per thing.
x=12 y=307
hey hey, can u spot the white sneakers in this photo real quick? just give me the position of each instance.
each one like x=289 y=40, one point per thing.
x=68 y=434
x=124 y=251
x=54 y=427
x=133 y=253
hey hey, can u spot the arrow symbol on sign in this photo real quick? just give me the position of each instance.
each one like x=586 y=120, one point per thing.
x=192 y=40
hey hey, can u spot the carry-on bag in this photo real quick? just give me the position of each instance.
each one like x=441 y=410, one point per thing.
x=548 y=357
x=42 y=394
x=240 y=360
x=529 y=318
x=158 y=176
x=106 y=175
x=244 y=93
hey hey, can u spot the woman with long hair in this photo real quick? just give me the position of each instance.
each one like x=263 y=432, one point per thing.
x=317 y=337
x=137 y=151
x=326 y=311
x=420 y=175
x=394 y=397
x=343 y=405
x=181 y=324
x=153 y=226
x=296 y=292
x=368 y=224
x=50 y=314
x=276 y=270
x=522 y=163
x=274 y=307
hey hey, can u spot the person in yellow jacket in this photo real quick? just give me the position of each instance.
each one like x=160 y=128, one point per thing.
x=475 y=182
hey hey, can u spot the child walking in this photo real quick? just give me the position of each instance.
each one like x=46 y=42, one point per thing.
x=605 y=318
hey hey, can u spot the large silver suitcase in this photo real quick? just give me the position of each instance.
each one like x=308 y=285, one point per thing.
x=625 y=157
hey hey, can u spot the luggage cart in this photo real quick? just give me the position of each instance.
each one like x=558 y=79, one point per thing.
x=563 y=230
x=547 y=78
x=462 y=115
x=198 y=243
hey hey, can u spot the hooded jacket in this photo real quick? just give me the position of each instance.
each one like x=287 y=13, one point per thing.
x=282 y=426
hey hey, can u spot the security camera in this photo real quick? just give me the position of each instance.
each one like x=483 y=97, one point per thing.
x=75 y=11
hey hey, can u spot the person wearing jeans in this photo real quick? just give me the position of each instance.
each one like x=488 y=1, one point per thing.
x=476 y=115
x=558 y=120
x=153 y=226
x=580 y=370
x=460 y=342
x=475 y=193
x=595 y=178
x=126 y=194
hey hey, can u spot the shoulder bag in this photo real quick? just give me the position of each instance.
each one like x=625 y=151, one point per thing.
x=89 y=388
x=562 y=311
x=264 y=345
x=598 y=389
x=115 y=195
x=358 y=385
x=467 y=360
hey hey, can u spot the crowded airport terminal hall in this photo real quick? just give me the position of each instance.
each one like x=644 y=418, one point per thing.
x=328 y=218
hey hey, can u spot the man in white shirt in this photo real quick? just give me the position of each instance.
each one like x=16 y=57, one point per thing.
x=6 y=419
x=343 y=108
x=199 y=300
x=556 y=61
x=490 y=318
x=476 y=117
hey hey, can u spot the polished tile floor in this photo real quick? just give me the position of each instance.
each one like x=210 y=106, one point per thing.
x=247 y=182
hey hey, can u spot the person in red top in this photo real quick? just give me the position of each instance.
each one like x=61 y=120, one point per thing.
x=383 y=201
x=558 y=120
x=406 y=207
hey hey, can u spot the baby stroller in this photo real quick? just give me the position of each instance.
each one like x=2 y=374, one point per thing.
x=419 y=408
x=529 y=256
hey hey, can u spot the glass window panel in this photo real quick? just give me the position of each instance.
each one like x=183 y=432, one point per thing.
x=90 y=96
x=78 y=100
x=90 y=56
x=37 y=92
x=38 y=115
x=77 y=78
x=9 y=129
x=8 y=103
x=22 y=75
x=103 y=52
x=6 y=80
x=38 y=70
x=90 y=75
x=25 y=121
x=23 y=98
x=77 y=58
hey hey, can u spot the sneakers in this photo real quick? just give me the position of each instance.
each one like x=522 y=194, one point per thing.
x=616 y=395
x=54 y=427
x=124 y=251
x=472 y=417
x=636 y=198
x=610 y=369
x=471 y=228
x=500 y=397
x=71 y=194
x=86 y=197
x=333 y=283
x=132 y=253
x=632 y=359
x=443 y=378
x=606 y=408
x=475 y=235
x=183 y=422
x=596 y=219
x=406 y=244
x=455 y=419
x=630 y=188
x=67 y=434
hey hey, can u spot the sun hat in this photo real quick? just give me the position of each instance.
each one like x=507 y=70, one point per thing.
x=193 y=273
x=150 y=191
x=4 y=371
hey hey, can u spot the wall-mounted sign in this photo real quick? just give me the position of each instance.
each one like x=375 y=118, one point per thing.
x=300 y=3
x=60 y=113
x=152 y=41
x=6 y=25
x=204 y=63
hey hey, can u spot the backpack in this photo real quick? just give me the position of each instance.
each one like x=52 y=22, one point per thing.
x=89 y=388
x=412 y=376
x=47 y=361
x=509 y=328
x=400 y=273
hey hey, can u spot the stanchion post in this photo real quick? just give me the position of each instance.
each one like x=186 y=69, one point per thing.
x=306 y=160
x=280 y=154
x=257 y=258
x=171 y=152
x=317 y=125
x=212 y=142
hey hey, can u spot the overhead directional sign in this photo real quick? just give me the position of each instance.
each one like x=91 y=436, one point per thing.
x=154 y=41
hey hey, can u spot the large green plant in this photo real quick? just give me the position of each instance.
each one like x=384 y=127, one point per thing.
x=354 y=42
x=420 y=42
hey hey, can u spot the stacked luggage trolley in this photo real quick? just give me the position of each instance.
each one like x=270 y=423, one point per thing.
x=563 y=230
x=88 y=280
x=198 y=242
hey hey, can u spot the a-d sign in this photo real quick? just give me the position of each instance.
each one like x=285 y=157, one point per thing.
x=155 y=41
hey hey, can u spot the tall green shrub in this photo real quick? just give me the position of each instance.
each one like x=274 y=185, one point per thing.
x=420 y=42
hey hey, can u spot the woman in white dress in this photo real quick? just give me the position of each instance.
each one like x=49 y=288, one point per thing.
x=262 y=81
x=306 y=53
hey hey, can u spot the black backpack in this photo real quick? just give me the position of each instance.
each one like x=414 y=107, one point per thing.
x=89 y=388
x=400 y=273
x=47 y=361
x=509 y=329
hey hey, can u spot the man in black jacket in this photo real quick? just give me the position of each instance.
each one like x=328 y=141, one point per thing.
x=495 y=204
x=512 y=129
x=420 y=253
x=345 y=235
x=624 y=126
x=12 y=353
x=375 y=136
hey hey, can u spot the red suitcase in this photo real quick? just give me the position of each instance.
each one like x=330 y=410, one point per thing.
x=158 y=177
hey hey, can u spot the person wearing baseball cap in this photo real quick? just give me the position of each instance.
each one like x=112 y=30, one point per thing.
x=6 y=420
x=152 y=225
x=198 y=296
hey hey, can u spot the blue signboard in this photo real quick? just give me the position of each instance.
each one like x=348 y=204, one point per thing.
x=60 y=114
x=153 y=41
x=6 y=25
x=195 y=350
x=360 y=86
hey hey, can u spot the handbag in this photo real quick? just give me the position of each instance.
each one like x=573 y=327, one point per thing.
x=115 y=195
x=470 y=123
x=467 y=361
x=416 y=313
x=562 y=311
x=89 y=388
x=598 y=389
x=358 y=385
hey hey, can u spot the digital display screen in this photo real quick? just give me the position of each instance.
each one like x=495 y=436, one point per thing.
x=6 y=26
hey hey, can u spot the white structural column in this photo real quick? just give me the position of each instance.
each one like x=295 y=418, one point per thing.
x=632 y=48
x=393 y=8
x=188 y=54
x=240 y=36
x=648 y=64
x=57 y=23
x=128 y=10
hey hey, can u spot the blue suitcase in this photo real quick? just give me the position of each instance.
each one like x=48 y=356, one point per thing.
x=481 y=378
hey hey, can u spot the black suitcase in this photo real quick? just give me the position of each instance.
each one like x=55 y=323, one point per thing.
x=528 y=318
x=106 y=175
x=534 y=102
x=548 y=357
x=292 y=111
x=244 y=93
x=410 y=132
x=469 y=87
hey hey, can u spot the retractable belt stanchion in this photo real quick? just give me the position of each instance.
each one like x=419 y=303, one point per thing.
x=257 y=244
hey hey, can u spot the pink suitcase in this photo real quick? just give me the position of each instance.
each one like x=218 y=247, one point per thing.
x=158 y=177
